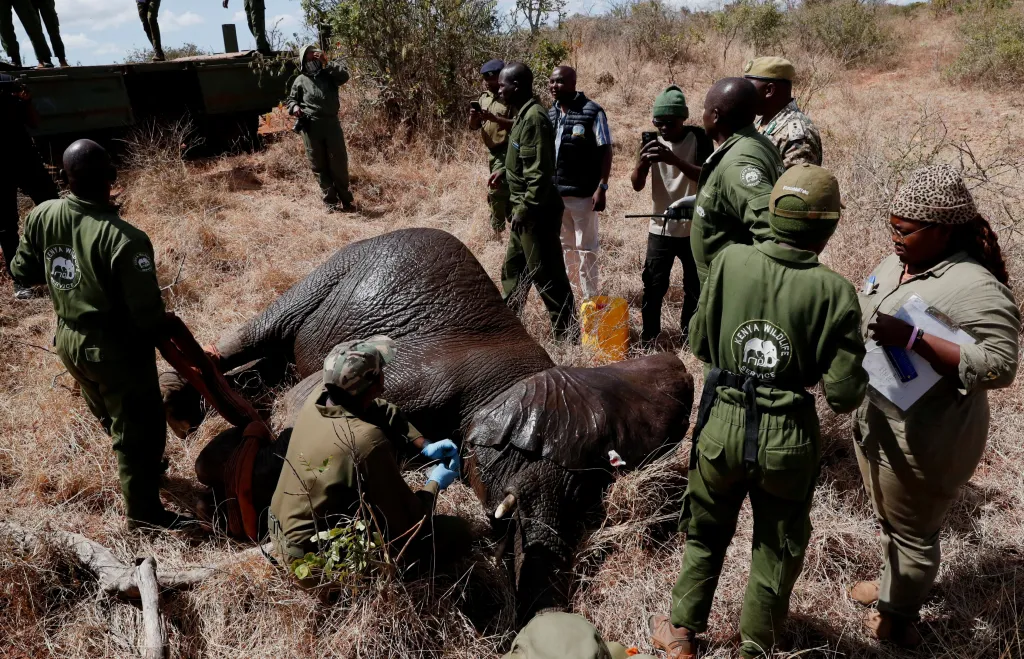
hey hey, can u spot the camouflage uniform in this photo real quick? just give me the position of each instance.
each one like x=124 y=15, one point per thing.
x=102 y=280
x=357 y=451
x=794 y=134
x=557 y=635
x=255 y=16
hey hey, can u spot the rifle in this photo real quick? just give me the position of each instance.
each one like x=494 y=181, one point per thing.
x=679 y=211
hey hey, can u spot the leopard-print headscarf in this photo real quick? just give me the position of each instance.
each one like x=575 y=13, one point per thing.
x=934 y=194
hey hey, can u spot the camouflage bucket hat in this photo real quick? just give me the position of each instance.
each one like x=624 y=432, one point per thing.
x=354 y=365
x=935 y=194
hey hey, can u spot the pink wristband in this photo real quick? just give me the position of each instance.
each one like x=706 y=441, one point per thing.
x=913 y=338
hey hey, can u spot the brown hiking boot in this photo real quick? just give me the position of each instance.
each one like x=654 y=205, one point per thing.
x=865 y=592
x=894 y=629
x=676 y=642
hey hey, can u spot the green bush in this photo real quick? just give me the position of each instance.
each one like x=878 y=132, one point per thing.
x=851 y=31
x=993 y=47
x=421 y=56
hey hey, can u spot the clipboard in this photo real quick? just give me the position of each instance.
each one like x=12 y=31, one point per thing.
x=881 y=376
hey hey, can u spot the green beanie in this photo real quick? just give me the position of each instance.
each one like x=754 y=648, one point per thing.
x=670 y=103
x=804 y=206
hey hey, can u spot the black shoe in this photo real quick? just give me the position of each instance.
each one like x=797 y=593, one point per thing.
x=349 y=207
x=24 y=293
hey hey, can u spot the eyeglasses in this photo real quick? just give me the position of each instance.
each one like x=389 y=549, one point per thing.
x=903 y=235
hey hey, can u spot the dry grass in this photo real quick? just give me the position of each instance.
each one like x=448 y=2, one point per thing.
x=243 y=228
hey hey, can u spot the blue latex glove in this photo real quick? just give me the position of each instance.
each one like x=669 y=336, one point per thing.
x=445 y=474
x=441 y=450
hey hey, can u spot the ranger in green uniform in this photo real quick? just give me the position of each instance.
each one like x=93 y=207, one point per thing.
x=48 y=15
x=494 y=120
x=557 y=635
x=344 y=426
x=534 y=254
x=255 y=16
x=314 y=101
x=772 y=322
x=736 y=181
x=102 y=280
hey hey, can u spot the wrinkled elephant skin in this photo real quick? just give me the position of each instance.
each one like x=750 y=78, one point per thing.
x=547 y=441
x=465 y=367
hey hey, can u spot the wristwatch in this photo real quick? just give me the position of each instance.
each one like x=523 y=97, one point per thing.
x=603 y=186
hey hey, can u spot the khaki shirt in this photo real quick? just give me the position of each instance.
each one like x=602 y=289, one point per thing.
x=332 y=455
x=494 y=136
x=955 y=409
x=745 y=325
x=530 y=164
x=669 y=184
x=794 y=134
x=732 y=196
x=99 y=269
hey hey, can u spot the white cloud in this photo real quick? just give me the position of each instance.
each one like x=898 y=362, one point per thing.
x=240 y=16
x=109 y=48
x=282 y=20
x=171 y=22
x=94 y=15
x=77 y=40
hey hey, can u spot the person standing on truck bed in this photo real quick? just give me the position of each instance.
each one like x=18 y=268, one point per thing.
x=48 y=15
x=255 y=16
x=29 y=18
x=313 y=101
x=148 y=9
x=21 y=167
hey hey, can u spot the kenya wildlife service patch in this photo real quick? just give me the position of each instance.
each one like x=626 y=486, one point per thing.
x=62 y=266
x=751 y=176
x=763 y=349
x=143 y=262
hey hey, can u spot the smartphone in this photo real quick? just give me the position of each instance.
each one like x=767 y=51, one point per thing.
x=647 y=137
x=475 y=105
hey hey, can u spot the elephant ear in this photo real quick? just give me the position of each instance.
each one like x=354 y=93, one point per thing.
x=575 y=416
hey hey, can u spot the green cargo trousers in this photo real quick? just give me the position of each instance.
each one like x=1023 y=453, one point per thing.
x=120 y=387
x=780 y=486
x=255 y=15
x=148 y=10
x=498 y=198
x=912 y=485
x=325 y=148
x=48 y=14
x=29 y=17
x=534 y=257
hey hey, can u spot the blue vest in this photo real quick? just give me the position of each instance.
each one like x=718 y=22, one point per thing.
x=578 y=170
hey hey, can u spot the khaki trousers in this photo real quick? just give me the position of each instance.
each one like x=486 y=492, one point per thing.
x=912 y=476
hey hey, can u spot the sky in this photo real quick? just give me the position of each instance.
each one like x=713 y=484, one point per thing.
x=104 y=31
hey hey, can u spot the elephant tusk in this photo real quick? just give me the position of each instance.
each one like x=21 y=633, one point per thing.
x=505 y=507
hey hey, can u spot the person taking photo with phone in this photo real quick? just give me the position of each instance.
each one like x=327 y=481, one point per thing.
x=672 y=157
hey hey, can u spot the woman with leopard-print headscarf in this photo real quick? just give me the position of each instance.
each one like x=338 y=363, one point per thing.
x=915 y=462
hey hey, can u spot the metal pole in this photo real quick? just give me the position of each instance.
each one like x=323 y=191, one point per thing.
x=230 y=38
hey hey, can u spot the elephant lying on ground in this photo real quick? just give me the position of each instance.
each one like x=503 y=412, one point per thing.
x=466 y=368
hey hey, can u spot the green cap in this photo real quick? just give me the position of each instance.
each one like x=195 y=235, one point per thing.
x=671 y=103
x=805 y=205
x=769 y=68
x=354 y=365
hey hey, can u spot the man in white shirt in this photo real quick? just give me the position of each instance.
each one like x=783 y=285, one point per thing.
x=673 y=161
x=583 y=163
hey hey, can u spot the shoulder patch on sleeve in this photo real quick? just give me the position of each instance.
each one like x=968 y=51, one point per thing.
x=796 y=130
x=143 y=262
x=751 y=176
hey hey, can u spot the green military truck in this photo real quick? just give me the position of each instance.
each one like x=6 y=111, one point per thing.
x=220 y=96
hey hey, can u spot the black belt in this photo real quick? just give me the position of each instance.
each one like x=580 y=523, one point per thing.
x=747 y=384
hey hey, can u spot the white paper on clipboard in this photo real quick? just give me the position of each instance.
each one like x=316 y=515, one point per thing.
x=880 y=372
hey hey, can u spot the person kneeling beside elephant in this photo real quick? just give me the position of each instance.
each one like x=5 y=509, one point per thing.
x=340 y=453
